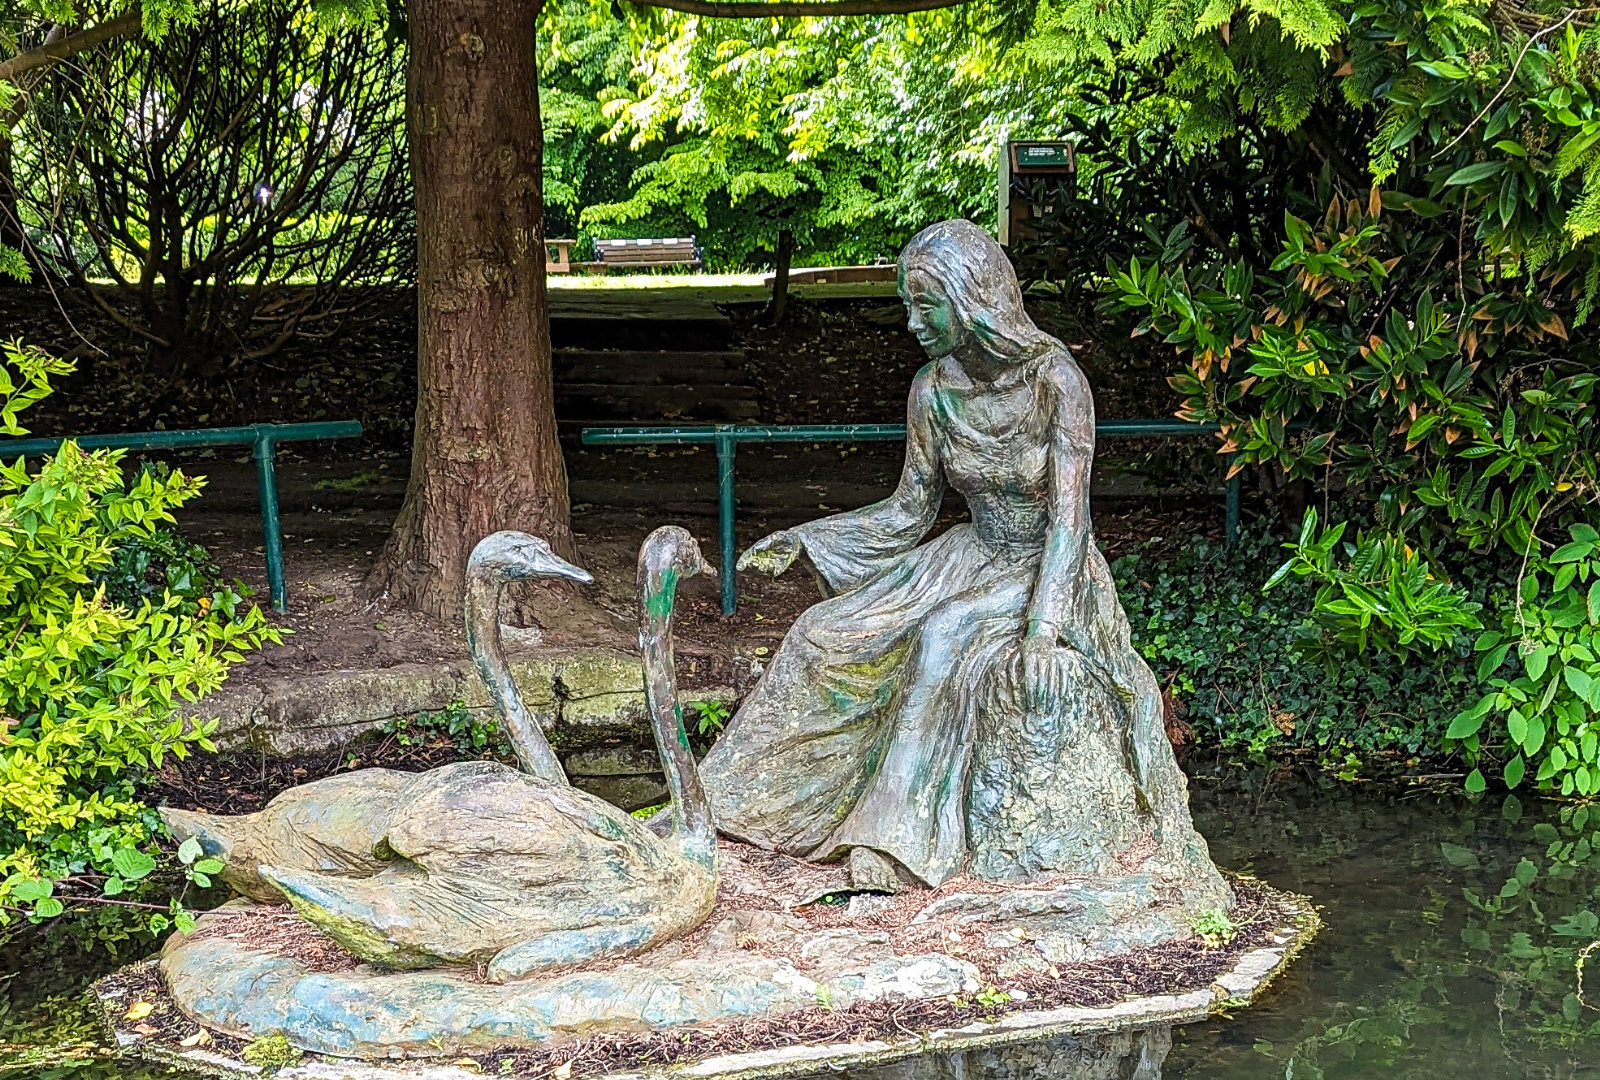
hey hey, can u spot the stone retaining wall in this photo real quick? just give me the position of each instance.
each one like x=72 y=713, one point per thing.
x=590 y=702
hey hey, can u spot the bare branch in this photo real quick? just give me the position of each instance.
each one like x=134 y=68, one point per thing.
x=1509 y=80
x=64 y=48
x=718 y=9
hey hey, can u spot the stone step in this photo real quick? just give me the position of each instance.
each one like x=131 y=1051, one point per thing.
x=657 y=368
x=688 y=335
x=605 y=404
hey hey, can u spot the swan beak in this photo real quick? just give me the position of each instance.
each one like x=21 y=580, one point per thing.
x=555 y=566
x=211 y=830
x=697 y=564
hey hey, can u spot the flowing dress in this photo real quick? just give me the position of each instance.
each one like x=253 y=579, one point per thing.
x=861 y=731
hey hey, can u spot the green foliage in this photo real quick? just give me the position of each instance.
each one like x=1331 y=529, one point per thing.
x=470 y=732
x=1229 y=65
x=992 y=997
x=24 y=379
x=146 y=567
x=1236 y=658
x=12 y=263
x=228 y=182
x=1213 y=927
x=1418 y=338
x=1384 y=597
x=270 y=1052
x=1542 y=667
x=1447 y=445
x=88 y=687
x=711 y=717
x=584 y=59
x=850 y=132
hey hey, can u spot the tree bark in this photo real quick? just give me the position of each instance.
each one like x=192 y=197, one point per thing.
x=484 y=455
x=10 y=223
x=780 y=276
x=64 y=47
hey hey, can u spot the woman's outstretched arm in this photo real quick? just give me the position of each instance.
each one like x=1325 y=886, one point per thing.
x=849 y=548
x=1067 y=538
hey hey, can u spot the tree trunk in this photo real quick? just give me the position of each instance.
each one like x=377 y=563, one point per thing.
x=484 y=455
x=10 y=223
x=780 y=277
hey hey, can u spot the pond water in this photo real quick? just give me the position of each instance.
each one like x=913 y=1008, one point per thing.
x=1453 y=929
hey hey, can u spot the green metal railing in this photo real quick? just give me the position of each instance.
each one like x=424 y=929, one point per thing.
x=727 y=437
x=264 y=438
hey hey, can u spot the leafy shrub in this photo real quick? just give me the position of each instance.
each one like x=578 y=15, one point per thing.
x=1246 y=663
x=1383 y=595
x=146 y=567
x=1213 y=927
x=232 y=186
x=710 y=717
x=469 y=732
x=1455 y=424
x=89 y=686
x=1542 y=667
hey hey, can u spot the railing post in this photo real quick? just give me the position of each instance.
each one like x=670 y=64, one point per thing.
x=727 y=448
x=267 y=490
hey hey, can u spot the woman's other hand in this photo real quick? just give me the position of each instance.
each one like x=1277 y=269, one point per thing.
x=1047 y=668
x=772 y=554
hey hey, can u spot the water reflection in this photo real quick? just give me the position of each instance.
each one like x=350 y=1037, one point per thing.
x=1125 y=1055
x=1454 y=930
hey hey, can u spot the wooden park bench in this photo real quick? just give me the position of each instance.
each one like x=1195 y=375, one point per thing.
x=558 y=256
x=644 y=254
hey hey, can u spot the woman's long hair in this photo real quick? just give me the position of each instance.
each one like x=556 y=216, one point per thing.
x=981 y=285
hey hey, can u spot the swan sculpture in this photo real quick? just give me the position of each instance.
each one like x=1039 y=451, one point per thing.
x=478 y=862
x=335 y=824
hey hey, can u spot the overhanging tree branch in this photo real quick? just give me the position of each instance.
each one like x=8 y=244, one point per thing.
x=64 y=48
x=717 y=9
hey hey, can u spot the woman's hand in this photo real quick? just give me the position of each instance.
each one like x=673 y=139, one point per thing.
x=772 y=554
x=1047 y=669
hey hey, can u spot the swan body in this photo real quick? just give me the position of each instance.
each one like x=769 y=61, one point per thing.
x=478 y=862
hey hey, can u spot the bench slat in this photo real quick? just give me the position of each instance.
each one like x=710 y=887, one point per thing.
x=648 y=252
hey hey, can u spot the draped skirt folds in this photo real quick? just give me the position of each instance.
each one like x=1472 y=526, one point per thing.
x=861 y=730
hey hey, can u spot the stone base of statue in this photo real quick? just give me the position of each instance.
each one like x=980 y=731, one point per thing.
x=779 y=954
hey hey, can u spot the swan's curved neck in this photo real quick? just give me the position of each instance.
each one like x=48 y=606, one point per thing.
x=691 y=815
x=483 y=641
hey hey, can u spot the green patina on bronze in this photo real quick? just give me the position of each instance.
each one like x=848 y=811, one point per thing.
x=658 y=601
x=397 y=868
x=903 y=714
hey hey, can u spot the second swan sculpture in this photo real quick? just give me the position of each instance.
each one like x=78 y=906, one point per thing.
x=478 y=862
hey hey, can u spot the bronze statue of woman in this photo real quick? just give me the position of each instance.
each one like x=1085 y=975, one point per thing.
x=972 y=702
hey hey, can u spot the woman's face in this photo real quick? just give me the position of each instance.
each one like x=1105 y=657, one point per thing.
x=929 y=314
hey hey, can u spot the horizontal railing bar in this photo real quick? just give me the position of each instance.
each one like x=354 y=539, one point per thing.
x=164 y=440
x=709 y=434
x=263 y=440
